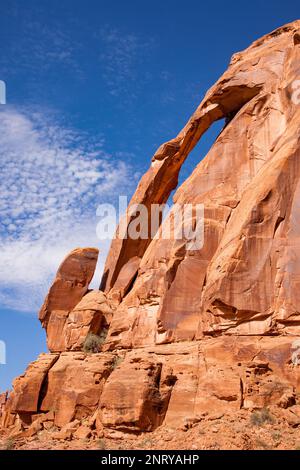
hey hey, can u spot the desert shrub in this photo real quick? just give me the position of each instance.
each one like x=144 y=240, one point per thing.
x=276 y=436
x=116 y=362
x=261 y=417
x=145 y=443
x=101 y=445
x=9 y=444
x=260 y=444
x=93 y=343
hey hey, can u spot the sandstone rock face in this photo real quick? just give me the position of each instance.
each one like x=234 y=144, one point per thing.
x=92 y=314
x=137 y=394
x=74 y=386
x=137 y=391
x=244 y=280
x=213 y=329
x=3 y=400
x=27 y=387
x=68 y=315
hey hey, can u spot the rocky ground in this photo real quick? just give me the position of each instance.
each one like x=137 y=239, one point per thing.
x=267 y=429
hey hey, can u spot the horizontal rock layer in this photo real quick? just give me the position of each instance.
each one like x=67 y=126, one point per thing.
x=138 y=390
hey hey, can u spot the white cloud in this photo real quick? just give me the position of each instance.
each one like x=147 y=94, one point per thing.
x=120 y=56
x=43 y=47
x=51 y=183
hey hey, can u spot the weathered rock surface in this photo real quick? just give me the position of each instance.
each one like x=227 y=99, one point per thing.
x=171 y=384
x=3 y=400
x=74 y=386
x=28 y=387
x=190 y=331
x=70 y=312
x=92 y=314
x=244 y=280
x=136 y=395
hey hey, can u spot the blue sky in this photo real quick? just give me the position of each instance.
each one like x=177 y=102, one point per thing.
x=93 y=88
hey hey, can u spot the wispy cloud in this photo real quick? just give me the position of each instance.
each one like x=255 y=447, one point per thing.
x=38 y=48
x=121 y=56
x=51 y=183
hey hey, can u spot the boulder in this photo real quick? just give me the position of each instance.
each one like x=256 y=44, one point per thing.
x=92 y=314
x=70 y=285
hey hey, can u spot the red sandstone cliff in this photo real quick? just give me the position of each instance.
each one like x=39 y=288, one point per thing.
x=186 y=332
